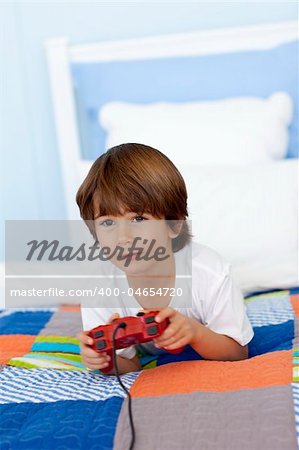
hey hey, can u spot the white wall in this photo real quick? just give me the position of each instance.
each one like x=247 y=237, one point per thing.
x=30 y=163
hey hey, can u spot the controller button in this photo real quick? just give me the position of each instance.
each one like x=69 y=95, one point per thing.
x=150 y=319
x=140 y=313
x=152 y=330
x=100 y=345
x=98 y=334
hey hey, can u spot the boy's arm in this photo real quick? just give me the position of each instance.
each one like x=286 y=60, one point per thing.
x=209 y=344
x=126 y=365
x=224 y=311
x=215 y=346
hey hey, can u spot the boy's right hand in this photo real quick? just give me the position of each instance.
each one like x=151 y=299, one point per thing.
x=90 y=357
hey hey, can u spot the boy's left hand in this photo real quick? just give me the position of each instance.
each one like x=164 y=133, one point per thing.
x=181 y=331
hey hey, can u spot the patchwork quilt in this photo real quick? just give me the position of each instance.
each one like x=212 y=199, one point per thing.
x=49 y=400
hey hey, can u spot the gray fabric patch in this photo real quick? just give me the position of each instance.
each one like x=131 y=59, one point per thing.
x=63 y=323
x=250 y=419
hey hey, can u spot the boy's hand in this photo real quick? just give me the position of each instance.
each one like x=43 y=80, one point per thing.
x=90 y=357
x=181 y=331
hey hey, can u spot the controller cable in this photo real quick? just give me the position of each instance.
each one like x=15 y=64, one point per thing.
x=123 y=325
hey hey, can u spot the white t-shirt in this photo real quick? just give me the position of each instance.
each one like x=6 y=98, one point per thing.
x=216 y=301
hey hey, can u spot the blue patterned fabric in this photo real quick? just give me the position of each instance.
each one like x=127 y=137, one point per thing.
x=53 y=409
x=56 y=347
x=272 y=338
x=60 y=425
x=24 y=322
x=269 y=309
x=188 y=354
x=22 y=385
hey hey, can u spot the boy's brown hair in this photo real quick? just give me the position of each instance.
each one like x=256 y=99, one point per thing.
x=137 y=178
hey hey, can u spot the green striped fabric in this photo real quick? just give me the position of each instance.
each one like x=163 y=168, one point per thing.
x=55 y=352
x=62 y=352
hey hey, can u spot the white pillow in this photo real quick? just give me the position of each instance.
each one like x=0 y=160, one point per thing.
x=236 y=130
x=250 y=216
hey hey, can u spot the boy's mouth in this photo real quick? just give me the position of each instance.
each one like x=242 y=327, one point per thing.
x=132 y=255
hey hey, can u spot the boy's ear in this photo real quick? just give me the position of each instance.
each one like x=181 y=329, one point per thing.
x=174 y=228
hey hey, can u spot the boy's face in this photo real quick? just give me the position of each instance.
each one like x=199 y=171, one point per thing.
x=144 y=241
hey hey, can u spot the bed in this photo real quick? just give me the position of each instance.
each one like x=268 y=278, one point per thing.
x=49 y=400
x=100 y=91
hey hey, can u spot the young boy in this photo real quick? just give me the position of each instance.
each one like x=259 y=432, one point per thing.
x=134 y=191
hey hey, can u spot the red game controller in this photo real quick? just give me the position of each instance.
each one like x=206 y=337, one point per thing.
x=137 y=330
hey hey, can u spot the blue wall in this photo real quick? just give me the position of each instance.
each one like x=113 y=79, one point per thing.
x=32 y=177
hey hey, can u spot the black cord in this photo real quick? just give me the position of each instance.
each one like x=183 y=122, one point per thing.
x=123 y=325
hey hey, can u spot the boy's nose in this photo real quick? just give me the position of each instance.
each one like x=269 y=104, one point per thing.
x=124 y=233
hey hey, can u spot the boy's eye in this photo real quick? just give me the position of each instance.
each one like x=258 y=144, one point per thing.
x=107 y=223
x=140 y=218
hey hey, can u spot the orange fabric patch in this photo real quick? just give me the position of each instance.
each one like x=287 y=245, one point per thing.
x=69 y=308
x=295 y=303
x=13 y=345
x=267 y=370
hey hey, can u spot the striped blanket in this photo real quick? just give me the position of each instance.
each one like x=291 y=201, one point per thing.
x=48 y=400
